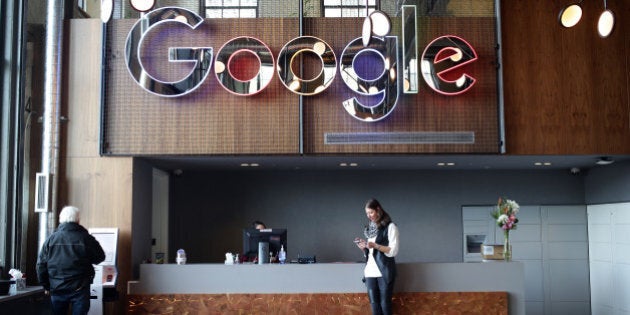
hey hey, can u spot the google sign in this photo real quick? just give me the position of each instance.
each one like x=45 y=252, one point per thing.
x=440 y=57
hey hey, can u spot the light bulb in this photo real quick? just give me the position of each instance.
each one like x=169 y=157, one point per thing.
x=571 y=15
x=606 y=23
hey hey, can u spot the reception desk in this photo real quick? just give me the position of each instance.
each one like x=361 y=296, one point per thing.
x=327 y=287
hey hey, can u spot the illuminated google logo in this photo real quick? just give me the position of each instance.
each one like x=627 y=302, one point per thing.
x=440 y=57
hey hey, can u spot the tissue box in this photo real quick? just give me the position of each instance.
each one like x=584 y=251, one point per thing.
x=491 y=252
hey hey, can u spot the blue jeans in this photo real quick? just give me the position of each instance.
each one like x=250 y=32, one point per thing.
x=80 y=301
x=380 y=294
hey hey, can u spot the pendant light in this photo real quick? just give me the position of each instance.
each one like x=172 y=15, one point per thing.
x=107 y=8
x=606 y=22
x=570 y=15
x=142 y=5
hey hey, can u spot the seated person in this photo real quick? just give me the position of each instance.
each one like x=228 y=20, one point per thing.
x=258 y=225
x=253 y=257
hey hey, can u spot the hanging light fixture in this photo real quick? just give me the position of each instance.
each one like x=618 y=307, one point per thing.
x=107 y=8
x=606 y=22
x=142 y=5
x=570 y=15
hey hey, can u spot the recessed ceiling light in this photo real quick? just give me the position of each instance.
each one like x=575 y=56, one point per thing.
x=244 y=164
x=547 y=163
x=445 y=164
x=254 y=165
x=538 y=163
x=342 y=164
x=354 y=164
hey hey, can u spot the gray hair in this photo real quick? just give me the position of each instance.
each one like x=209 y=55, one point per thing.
x=69 y=214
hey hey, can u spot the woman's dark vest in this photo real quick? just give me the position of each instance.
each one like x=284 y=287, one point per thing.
x=387 y=265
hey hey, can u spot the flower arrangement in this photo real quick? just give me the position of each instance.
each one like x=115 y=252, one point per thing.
x=505 y=216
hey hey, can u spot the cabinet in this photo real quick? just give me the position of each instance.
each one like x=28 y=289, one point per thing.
x=551 y=242
x=609 y=258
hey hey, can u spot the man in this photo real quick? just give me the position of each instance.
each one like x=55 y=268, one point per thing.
x=64 y=265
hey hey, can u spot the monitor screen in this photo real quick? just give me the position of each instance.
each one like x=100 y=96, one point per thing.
x=108 y=238
x=275 y=238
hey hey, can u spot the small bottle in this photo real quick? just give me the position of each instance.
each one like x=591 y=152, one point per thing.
x=181 y=257
x=282 y=255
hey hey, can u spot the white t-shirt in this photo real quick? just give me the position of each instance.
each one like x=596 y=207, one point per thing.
x=371 y=269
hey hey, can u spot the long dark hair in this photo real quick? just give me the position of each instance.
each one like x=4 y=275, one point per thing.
x=383 y=219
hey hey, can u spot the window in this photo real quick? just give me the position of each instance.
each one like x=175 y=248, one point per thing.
x=348 y=8
x=230 y=8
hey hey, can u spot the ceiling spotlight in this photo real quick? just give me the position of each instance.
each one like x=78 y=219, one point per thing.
x=604 y=160
x=570 y=15
x=606 y=22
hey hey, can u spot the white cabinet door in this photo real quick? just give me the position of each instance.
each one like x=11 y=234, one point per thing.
x=609 y=258
x=565 y=257
x=552 y=243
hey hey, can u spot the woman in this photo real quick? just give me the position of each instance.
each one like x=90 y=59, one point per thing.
x=380 y=248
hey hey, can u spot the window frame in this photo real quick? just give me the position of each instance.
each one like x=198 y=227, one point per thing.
x=240 y=7
x=359 y=7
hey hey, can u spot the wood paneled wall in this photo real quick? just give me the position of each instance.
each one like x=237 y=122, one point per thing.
x=566 y=89
x=100 y=187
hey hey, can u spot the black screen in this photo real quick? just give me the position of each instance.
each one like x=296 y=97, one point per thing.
x=275 y=237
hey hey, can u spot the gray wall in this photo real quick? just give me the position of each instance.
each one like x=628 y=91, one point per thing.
x=608 y=184
x=141 y=216
x=323 y=210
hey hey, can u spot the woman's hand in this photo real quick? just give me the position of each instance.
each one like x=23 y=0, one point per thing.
x=360 y=243
x=380 y=248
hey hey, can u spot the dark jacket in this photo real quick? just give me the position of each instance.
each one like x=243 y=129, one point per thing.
x=386 y=265
x=65 y=262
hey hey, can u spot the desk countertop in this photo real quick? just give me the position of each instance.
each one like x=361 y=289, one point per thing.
x=31 y=290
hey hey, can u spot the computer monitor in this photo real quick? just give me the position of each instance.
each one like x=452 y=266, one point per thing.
x=275 y=237
x=108 y=238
